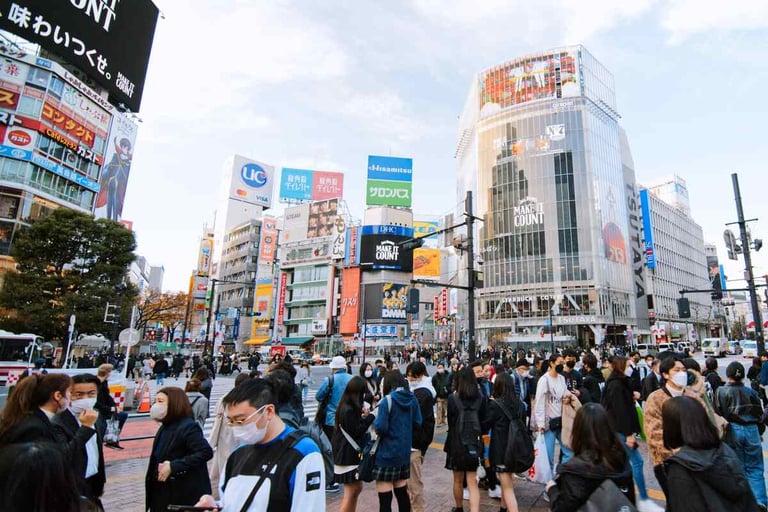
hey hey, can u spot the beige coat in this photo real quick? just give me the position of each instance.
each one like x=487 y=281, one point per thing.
x=571 y=405
x=652 y=423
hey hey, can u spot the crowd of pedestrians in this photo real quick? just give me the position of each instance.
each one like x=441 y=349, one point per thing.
x=590 y=412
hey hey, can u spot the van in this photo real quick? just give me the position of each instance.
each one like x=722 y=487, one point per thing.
x=663 y=347
x=714 y=347
x=749 y=348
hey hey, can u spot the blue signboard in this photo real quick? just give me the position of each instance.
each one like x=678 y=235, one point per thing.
x=296 y=184
x=723 y=285
x=387 y=230
x=390 y=168
x=60 y=170
x=650 y=251
x=381 y=331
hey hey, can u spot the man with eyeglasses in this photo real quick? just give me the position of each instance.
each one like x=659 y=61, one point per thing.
x=276 y=466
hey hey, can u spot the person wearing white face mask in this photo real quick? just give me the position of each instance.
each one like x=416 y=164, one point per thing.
x=177 y=472
x=87 y=456
x=675 y=383
x=276 y=467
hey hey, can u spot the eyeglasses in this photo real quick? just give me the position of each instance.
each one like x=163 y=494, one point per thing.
x=241 y=422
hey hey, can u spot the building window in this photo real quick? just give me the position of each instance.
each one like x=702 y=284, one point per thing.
x=30 y=106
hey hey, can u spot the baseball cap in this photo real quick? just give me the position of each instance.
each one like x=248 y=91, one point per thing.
x=735 y=371
x=337 y=363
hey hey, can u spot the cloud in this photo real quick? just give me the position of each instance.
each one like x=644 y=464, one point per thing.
x=686 y=18
x=384 y=113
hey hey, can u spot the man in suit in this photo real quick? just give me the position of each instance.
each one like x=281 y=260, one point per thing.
x=87 y=455
x=652 y=382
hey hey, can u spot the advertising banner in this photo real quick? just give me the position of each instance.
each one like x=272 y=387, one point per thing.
x=338 y=249
x=383 y=252
x=426 y=263
x=268 y=240
x=388 y=193
x=390 y=168
x=114 y=175
x=322 y=217
x=110 y=41
x=424 y=228
x=394 y=301
x=19 y=137
x=199 y=287
x=650 y=250
x=295 y=223
x=350 y=300
x=76 y=103
x=9 y=99
x=444 y=302
x=306 y=252
x=204 y=257
x=251 y=182
x=352 y=247
x=306 y=185
x=281 y=299
x=713 y=264
x=381 y=331
x=13 y=72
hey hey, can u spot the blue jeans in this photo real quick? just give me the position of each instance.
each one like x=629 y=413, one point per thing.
x=160 y=378
x=565 y=453
x=745 y=441
x=304 y=392
x=637 y=466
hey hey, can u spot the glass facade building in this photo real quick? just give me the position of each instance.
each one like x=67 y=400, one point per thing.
x=541 y=148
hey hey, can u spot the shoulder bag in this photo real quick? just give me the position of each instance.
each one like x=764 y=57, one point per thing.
x=368 y=453
x=607 y=498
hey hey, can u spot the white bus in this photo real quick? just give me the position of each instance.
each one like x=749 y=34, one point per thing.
x=18 y=352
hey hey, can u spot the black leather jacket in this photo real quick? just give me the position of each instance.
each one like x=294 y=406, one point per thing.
x=738 y=404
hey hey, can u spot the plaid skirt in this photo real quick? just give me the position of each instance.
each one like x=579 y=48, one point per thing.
x=391 y=474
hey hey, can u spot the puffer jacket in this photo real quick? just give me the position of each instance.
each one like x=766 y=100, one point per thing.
x=578 y=478
x=707 y=480
x=738 y=404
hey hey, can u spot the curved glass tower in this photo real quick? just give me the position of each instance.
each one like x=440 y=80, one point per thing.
x=540 y=146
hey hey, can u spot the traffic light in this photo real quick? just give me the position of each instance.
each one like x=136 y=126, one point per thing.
x=413 y=301
x=684 y=307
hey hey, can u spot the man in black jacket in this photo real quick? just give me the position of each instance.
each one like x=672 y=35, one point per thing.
x=593 y=381
x=421 y=386
x=87 y=456
x=440 y=381
x=106 y=405
x=652 y=382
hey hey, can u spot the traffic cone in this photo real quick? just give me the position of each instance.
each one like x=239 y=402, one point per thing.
x=146 y=403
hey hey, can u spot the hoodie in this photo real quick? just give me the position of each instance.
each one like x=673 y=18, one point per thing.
x=394 y=426
x=707 y=480
x=425 y=393
x=578 y=478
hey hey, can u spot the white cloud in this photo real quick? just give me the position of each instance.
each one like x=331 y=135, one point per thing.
x=383 y=113
x=686 y=18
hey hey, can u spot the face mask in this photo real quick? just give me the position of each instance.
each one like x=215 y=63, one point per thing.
x=368 y=374
x=571 y=364
x=158 y=411
x=249 y=433
x=559 y=368
x=84 y=404
x=680 y=379
x=441 y=370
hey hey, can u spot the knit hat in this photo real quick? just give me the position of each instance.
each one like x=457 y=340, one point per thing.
x=735 y=371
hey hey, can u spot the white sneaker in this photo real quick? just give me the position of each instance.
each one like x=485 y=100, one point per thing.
x=648 y=506
x=495 y=492
x=466 y=494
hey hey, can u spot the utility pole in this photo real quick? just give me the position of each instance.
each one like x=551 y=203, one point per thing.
x=469 y=214
x=748 y=265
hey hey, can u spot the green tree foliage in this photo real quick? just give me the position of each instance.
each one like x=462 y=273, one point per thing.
x=68 y=263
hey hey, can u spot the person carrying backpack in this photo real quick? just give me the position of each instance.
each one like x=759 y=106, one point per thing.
x=506 y=408
x=463 y=446
x=421 y=387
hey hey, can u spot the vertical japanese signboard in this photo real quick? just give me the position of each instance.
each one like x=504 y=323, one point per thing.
x=268 y=241
x=350 y=300
x=650 y=250
x=281 y=300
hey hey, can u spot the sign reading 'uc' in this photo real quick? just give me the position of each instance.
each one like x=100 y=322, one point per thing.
x=253 y=175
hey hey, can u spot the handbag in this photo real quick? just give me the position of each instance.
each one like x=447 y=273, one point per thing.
x=368 y=455
x=112 y=432
x=607 y=498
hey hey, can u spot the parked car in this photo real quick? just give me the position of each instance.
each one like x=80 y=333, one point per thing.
x=735 y=347
x=749 y=348
x=713 y=347
x=643 y=349
x=663 y=347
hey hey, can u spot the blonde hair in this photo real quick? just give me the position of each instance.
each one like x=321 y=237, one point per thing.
x=104 y=369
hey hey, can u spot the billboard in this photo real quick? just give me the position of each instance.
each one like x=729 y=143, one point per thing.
x=394 y=301
x=322 y=217
x=537 y=77
x=350 y=300
x=306 y=185
x=379 y=248
x=199 y=287
x=268 y=240
x=251 y=182
x=110 y=41
x=715 y=279
x=295 y=222
x=114 y=175
x=338 y=250
x=426 y=263
x=352 y=247
x=425 y=228
x=650 y=250
x=204 y=257
x=281 y=300
x=389 y=181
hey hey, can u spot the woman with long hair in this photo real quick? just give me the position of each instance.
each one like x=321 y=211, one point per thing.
x=397 y=414
x=505 y=403
x=619 y=402
x=598 y=455
x=352 y=422
x=32 y=404
x=463 y=445
x=705 y=473
x=373 y=391
x=177 y=472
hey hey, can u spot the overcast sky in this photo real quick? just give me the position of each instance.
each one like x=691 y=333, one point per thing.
x=321 y=85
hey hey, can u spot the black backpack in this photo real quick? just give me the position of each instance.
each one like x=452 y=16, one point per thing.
x=518 y=456
x=469 y=427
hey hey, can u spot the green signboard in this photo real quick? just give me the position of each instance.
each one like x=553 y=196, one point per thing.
x=389 y=193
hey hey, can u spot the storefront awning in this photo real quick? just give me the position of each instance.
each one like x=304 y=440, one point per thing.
x=297 y=340
x=258 y=340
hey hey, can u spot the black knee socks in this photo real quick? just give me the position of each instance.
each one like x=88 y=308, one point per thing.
x=403 y=502
x=385 y=501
